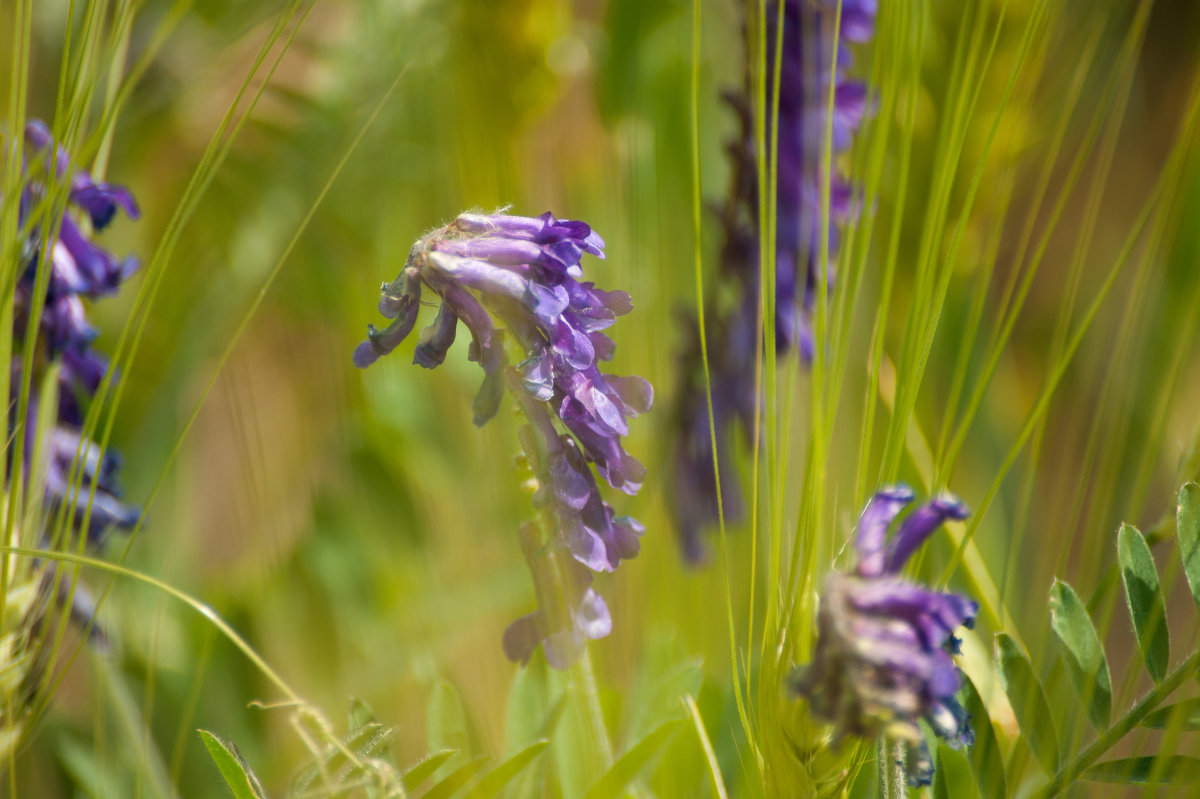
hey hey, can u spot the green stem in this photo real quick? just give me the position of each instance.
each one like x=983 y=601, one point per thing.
x=1116 y=732
x=889 y=770
x=544 y=440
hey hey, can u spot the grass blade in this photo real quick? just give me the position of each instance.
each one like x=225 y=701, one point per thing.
x=629 y=764
x=987 y=763
x=424 y=770
x=457 y=779
x=504 y=773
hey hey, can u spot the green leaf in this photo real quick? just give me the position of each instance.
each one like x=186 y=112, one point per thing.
x=527 y=721
x=422 y=771
x=629 y=764
x=446 y=725
x=360 y=714
x=234 y=770
x=1187 y=527
x=1145 y=599
x=457 y=779
x=1183 y=715
x=1154 y=770
x=504 y=773
x=951 y=775
x=1028 y=701
x=364 y=743
x=987 y=763
x=1083 y=652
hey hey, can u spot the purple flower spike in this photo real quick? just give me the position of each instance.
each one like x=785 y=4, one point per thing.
x=517 y=278
x=78 y=479
x=883 y=659
x=809 y=45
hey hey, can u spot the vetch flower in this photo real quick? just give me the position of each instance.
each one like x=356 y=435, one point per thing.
x=520 y=278
x=808 y=73
x=77 y=475
x=883 y=658
x=59 y=266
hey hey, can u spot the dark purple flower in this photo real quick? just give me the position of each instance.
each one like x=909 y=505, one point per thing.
x=520 y=278
x=79 y=479
x=808 y=73
x=883 y=656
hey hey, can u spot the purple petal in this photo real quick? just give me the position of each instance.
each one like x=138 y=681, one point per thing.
x=873 y=527
x=918 y=526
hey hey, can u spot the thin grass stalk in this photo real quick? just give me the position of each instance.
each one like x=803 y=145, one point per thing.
x=1006 y=321
x=1157 y=199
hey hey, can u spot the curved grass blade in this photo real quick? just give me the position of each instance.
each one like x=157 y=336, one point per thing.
x=422 y=771
x=951 y=778
x=1083 y=652
x=1183 y=715
x=1187 y=527
x=234 y=770
x=1152 y=770
x=629 y=764
x=1145 y=600
x=363 y=743
x=506 y=772
x=457 y=779
x=1028 y=701
x=987 y=763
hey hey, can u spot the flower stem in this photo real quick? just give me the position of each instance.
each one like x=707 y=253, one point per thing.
x=544 y=437
x=889 y=772
x=1124 y=725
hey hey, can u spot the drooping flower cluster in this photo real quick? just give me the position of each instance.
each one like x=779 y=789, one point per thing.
x=78 y=269
x=883 y=655
x=808 y=73
x=522 y=275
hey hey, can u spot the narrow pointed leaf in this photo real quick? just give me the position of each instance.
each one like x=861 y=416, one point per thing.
x=1183 y=715
x=424 y=770
x=234 y=770
x=1028 y=701
x=504 y=773
x=626 y=769
x=1145 y=600
x=364 y=742
x=1155 y=770
x=1187 y=527
x=951 y=775
x=445 y=721
x=457 y=779
x=360 y=714
x=1083 y=652
x=987 y=763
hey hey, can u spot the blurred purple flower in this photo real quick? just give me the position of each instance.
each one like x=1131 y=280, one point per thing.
x=883 y=654
x=78 y=477
x=521 y=277
x=807 y=74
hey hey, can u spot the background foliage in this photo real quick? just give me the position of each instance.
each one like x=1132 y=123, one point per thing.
x=1030 y=194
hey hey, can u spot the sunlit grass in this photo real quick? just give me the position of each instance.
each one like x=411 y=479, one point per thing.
x=1012 y=319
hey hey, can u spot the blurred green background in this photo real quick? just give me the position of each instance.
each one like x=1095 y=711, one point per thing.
x=361 y=533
